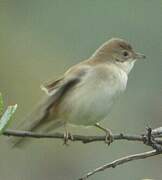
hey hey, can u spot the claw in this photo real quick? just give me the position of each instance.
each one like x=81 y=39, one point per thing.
x=109 y=136
x=67 y=136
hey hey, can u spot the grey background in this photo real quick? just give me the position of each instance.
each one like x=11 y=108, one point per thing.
x=39 y=40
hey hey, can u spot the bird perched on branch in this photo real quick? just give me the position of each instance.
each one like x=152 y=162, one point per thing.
x=86 y=92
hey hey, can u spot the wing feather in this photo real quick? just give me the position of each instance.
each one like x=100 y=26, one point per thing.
x=57 y=89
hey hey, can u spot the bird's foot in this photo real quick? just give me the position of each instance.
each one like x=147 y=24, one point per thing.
x=109 y=137
x=67 y=136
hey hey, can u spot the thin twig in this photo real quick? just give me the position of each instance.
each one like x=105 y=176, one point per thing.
x=122 y=160
x=82 y=138
x=148 y=140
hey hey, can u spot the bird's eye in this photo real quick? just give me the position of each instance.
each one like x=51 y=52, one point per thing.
x=125 y=53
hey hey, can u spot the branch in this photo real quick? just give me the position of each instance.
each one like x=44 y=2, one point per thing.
x=82 y=138
x=151 y=138
x=122 y=160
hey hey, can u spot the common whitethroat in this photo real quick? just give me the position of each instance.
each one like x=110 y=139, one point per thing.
x=86 y=92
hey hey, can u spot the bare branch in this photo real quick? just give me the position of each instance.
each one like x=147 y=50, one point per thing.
x=148 y=140
x=122 y=160
x=84 y=139
x=151 y=138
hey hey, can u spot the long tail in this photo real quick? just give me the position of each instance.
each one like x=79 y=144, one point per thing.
x=34 y=121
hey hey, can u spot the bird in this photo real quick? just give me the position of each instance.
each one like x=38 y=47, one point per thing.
x=85 y=93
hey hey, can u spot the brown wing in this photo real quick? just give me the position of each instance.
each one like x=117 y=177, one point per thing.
x=51 y=86
x=41 y=114
x=61 y=91
x=56 y=91
x=61 y=85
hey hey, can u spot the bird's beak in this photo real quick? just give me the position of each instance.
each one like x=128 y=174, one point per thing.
x=139 y=56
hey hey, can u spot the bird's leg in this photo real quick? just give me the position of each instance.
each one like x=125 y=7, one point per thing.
x=67 y=135
x=108 y=137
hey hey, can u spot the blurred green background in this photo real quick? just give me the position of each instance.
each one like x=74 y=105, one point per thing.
x=39 y=40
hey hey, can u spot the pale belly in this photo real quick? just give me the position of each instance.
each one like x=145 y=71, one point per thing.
x=91 y=108
x=87 y=105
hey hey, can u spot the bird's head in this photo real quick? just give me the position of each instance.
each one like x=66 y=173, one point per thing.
x=119 y=52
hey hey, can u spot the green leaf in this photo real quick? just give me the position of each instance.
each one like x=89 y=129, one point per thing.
x=6 y=117
x=1 y=104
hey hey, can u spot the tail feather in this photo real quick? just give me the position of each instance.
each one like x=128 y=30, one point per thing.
x=40 y=116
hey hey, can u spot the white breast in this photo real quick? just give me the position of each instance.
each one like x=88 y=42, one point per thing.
x=91 y=101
